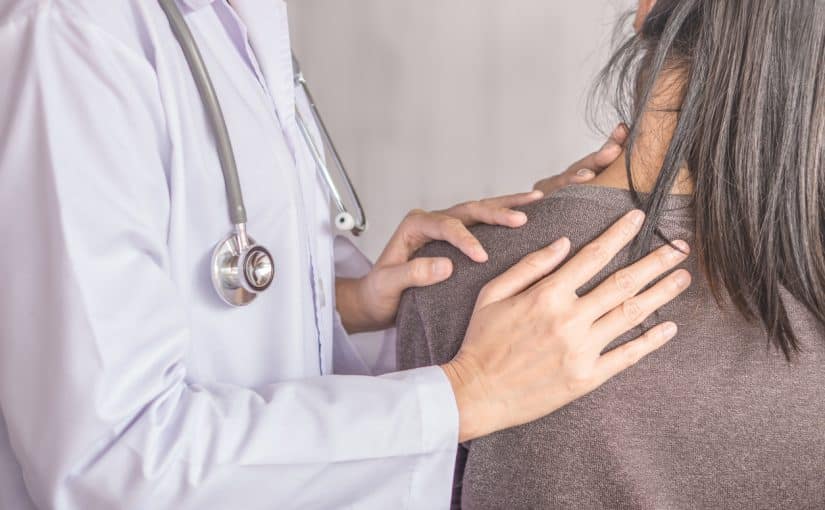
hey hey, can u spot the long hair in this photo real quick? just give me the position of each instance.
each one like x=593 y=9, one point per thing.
x=751 y=133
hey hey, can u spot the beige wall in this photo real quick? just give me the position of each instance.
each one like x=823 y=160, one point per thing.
x=433 y=102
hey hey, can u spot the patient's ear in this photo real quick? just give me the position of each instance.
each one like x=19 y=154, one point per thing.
x=641 y=13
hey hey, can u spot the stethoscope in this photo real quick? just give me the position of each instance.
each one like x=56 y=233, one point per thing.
x=241 y=268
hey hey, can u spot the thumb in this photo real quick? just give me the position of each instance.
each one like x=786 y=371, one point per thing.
x=419 y=272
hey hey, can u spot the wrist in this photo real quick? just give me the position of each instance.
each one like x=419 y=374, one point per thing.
x=349 y=302
x=470 y=417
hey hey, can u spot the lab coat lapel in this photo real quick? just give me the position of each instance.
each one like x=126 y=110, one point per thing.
x=268 y=32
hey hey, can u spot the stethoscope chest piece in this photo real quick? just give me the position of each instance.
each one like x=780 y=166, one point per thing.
x=241 y=269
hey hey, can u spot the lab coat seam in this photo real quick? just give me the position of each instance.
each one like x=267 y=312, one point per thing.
x=293 y=173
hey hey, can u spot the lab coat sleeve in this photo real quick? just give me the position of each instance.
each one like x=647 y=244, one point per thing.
x=93 y=376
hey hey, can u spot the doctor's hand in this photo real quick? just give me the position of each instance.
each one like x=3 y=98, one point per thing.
x=533 y=345
x=589 y=166
x=371 y=303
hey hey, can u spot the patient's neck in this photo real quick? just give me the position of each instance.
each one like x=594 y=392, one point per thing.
x=655 y=131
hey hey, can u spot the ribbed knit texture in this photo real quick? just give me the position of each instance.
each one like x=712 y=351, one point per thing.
x=715 y=419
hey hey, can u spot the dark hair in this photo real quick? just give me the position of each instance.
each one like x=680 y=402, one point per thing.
x=751 y=132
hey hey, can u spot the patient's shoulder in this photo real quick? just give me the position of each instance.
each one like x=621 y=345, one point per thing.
x=579 y=213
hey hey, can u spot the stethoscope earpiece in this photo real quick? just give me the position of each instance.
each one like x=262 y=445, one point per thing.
x=344 y=221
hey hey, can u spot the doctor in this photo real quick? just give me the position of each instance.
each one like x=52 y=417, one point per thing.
x=126 y=382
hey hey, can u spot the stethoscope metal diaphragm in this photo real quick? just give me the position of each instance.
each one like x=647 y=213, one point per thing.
x=242 y=269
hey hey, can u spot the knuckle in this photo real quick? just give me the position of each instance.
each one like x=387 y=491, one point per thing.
x=632 y=311
x=596 y=250
x=485 y=292
x=627 y=229
x=414 y=213
x=651 y=337
x=624 y=281
x=474 y=205
x=578 y=379
x=418 y=270
x=453 y=223
x=458 y=208
x=663 y=257
x=635 y=351
x=548 y=291
x=532 y=261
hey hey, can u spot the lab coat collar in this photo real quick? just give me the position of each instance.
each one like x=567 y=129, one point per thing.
x=268 y=31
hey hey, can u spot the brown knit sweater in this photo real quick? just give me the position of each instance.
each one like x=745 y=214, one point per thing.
x=715 y=419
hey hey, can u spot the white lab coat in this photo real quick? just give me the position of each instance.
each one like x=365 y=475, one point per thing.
x=124 y=381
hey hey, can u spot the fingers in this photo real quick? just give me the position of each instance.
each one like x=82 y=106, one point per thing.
x=524 y=273
x=476 y=212
x=419 y=272
x=589 y=166
x=515 y=200
x=627 y=282
x=495 y=211
x=592 y=258
x=452 y=230
x=582 y=175
x=608 y=152
x=451 y=225
x=627 y=355
x=634 y=311
x=420 y=227
x=612 y=148
x=550 y=184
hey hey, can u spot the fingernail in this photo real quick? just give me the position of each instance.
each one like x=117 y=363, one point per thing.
x=519 y=216
x=560 y=244
x=636 y=217
x=586 y=173
x=537 y=194
x=678 y=250
x=441 y=268
x=669 y=330
x=682 y=246
x=682 y=279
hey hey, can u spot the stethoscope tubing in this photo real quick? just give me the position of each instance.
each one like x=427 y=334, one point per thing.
x=242 y=269
x=361 y=222
x=200 y=74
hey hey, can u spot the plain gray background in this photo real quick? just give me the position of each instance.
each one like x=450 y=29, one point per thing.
x=435 y=102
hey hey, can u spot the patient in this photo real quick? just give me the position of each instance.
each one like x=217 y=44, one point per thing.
x=726 y=103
